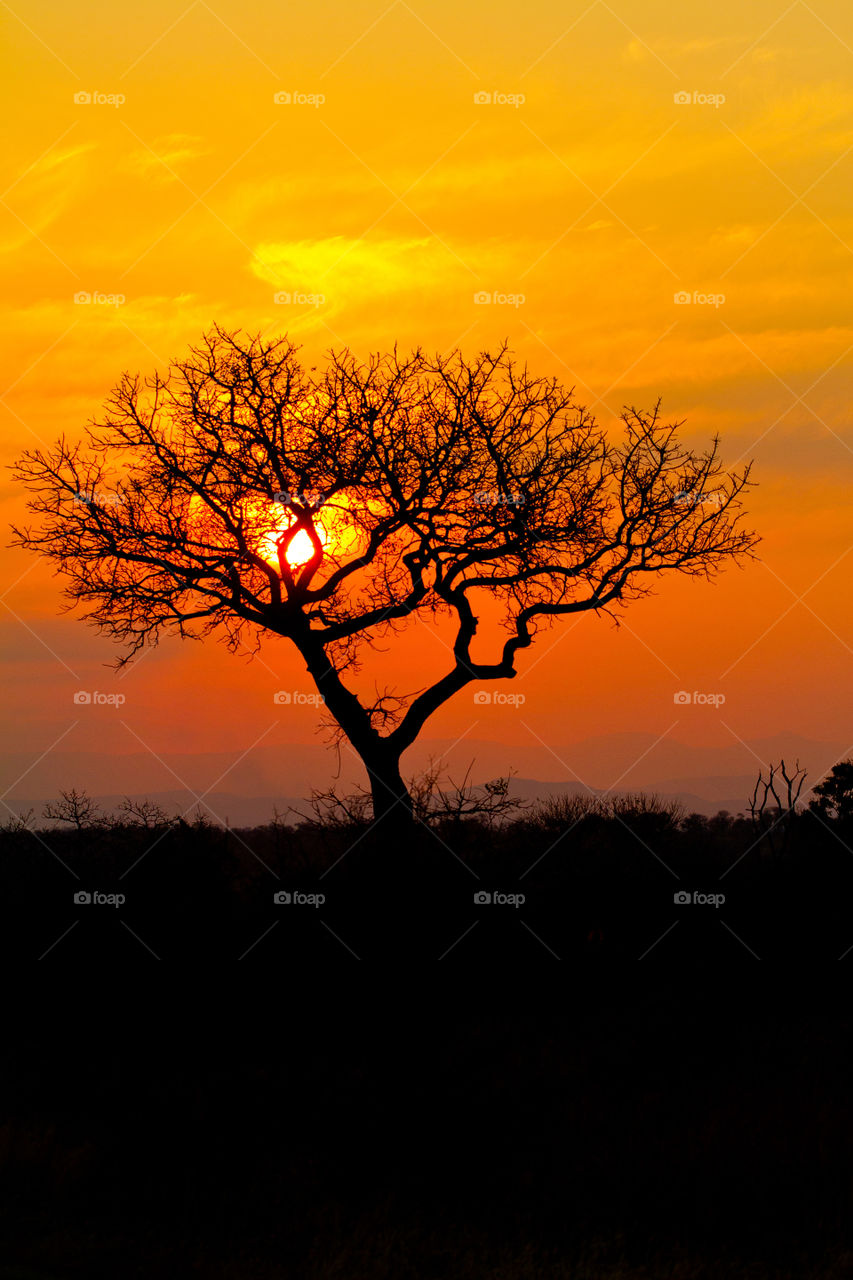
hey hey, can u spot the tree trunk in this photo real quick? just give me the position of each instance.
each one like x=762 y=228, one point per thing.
x=393 y=812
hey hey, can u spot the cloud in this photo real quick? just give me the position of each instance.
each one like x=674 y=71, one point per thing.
x=345 y=270
x=166 y=153
x=44 y=191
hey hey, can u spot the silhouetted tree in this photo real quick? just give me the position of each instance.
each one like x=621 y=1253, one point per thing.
x=144 y=813
x=241 y=493
x=435 y=799
x=780 y=816
x=77 y=808
x=834 y=795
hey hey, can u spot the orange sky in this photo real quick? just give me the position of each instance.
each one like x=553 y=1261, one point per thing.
x=384 y=197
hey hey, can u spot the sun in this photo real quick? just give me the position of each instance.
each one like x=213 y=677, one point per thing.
x=338 y=522
x=300 y=549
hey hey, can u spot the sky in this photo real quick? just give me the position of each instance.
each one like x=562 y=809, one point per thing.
x=653 y=202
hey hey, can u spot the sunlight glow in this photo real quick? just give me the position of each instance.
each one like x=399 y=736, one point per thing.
x=340 y=531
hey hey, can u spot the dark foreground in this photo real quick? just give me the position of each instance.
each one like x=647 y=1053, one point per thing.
x=590 y=1130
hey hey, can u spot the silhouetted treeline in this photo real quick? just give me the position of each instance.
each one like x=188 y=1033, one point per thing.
x=573 y=877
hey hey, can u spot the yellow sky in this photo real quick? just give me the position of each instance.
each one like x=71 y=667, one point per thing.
x=383 y=198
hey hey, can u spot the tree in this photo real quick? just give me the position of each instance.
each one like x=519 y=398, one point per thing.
x=434 y=801
x=784 y=813
x=144 y=813
x=77 y=808
x=244 y=494
x=834 y=795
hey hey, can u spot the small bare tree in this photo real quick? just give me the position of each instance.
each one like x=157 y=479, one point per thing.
x=77 y=809
x=779 y=818
x=435 y=798
x=241 y=494
x=144 y=813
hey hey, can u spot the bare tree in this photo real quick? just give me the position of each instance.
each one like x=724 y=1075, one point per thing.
x=781 y=814
x=144 y=813
x=244 y=494
x=17 y=822
x=435 y=798
x=77 y=808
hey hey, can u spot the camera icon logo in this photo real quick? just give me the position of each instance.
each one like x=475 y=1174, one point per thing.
x=82 y=897
x=482 y=698
x=681 y=99
x=281 y=99
x=483 y=298
x=282 y=898
x=681 y=898
x=682 y=698
x=482 y=897
x=282 y=698
x=82 y=698
x=682 y=297
x=282 y=298
x=482 y=99
x=83 y=99
x=82 y=297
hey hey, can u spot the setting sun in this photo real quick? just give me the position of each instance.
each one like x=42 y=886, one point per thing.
x=300 y=549
x=336 y=522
